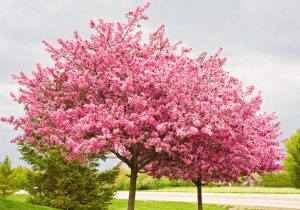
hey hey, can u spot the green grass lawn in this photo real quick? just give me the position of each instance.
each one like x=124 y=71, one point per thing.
x=18 y=202
x=257 y=190
x=163 y=205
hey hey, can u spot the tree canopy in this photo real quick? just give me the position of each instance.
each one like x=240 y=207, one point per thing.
x=293 y=160
x=8 y=178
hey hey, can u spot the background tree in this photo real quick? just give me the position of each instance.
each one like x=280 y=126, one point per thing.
x=58 y=183
x=293 y=160
x=221 y=132
x=279 y=179
x=8 y=178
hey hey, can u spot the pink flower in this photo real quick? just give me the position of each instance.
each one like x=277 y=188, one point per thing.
x=92 y=24
x=207 y=130
x=193 y=130
x=197 y=123
x=161 y=128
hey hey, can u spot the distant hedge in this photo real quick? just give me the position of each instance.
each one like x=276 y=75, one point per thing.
x=145 y=182
x=281 y=179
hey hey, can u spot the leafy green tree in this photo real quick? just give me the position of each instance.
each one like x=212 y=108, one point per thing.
x=58 y=183
x=292 y=163
x=8 y=178
x=21 y=171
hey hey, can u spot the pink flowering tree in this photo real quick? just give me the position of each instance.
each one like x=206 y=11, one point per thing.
x=110 y=93
x=221 y=135
x=145 y=102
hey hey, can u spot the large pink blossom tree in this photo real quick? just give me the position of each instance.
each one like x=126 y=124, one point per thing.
x=109 y=93
x=145 y=102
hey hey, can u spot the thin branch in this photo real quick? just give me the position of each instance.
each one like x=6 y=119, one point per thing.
x=145 y=158
x=141 y=166
x=143 y=171
x=123 y=158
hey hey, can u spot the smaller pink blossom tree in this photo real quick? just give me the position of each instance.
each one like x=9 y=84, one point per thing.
x=221 y=134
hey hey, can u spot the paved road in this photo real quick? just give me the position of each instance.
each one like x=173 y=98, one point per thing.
x=291 y=201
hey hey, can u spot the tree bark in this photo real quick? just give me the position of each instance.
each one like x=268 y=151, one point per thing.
x=132 y=190
x=199 y=194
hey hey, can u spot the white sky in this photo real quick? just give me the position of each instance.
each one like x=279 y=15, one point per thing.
x=261 y=40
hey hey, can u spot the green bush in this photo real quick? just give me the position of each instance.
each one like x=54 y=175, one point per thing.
x=8 y=178
x=180 y=183
x=215 y=184
x=281 y=179
x=21 y=171
x=292 y=162
x=145 y=182
x=57 y=183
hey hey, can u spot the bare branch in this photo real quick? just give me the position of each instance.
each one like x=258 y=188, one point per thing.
x=123 y=158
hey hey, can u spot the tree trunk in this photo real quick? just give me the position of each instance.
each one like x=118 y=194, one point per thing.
x=3 y=193
x=199 y=194
x=132 y=191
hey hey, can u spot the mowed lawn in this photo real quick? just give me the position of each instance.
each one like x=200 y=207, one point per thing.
x=18 y=202
x=257 y=190
x=164 y=205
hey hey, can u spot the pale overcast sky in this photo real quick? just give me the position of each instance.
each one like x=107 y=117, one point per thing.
x=260 y=39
